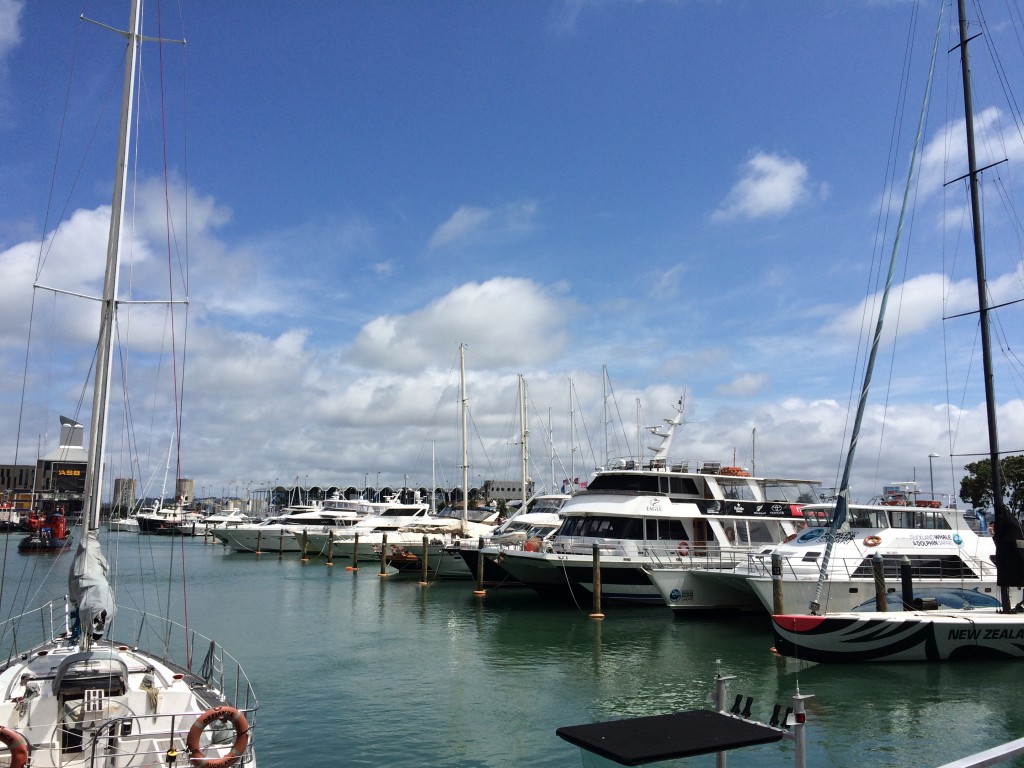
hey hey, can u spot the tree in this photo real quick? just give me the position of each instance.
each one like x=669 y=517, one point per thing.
x=976 y=485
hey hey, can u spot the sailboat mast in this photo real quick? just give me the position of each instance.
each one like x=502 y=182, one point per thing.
x=524 y=434
x=1006 y=548
x=979 y=259
x=465 y=449
x=105 y=345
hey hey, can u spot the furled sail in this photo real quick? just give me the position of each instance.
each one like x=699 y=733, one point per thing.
x=89 y=588
x=1009 y=540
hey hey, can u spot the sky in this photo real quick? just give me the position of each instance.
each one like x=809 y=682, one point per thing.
x=625 y=202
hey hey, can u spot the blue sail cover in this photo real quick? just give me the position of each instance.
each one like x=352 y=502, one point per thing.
x=89 y=588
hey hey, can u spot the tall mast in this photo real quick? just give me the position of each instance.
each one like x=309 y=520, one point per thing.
x=108 y=311
x=604 y=400
x=524 y=434
x=465 y=449
x=1006 y=547
x=979 y=259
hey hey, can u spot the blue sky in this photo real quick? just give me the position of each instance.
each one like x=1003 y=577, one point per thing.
x=685 y=192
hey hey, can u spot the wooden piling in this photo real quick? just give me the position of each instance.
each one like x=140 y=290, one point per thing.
x=302 y=558
x=355 y=555
x=479 y=591
x=778 y=604
x=384 y=555
x=596 y=613
x=330 y=548
x=259 y=541
x=423 y=564
x=878 y=571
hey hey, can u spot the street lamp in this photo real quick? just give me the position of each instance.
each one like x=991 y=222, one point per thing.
x=931 y=474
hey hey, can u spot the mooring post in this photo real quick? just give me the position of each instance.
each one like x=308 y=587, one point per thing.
x=479 y=591
x=423 y=565
x=597 y=584
x=778 y=604
x=355 y=555
x=878 y=571
x=384 y=555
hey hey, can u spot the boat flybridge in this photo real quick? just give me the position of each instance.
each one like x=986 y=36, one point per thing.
x=637 y=516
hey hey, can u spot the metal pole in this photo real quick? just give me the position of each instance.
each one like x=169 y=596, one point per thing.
x=931 y=474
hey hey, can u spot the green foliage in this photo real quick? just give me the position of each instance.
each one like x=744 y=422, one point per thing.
x=976 y=486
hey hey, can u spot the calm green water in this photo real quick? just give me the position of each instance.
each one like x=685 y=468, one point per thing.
x=352 y=669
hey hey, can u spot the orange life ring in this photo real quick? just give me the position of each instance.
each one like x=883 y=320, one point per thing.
x=872 y=541
x=224 y=713
x=532 y=545
x=683 y=549
x=17 y=744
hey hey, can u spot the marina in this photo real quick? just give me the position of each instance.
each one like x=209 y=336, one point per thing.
x=501 y=589
x=351 y=664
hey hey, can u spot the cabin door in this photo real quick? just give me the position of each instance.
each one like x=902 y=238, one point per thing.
x=700 y=536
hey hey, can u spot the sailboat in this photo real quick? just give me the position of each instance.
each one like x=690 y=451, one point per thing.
x=927 y=635
x=76 y=697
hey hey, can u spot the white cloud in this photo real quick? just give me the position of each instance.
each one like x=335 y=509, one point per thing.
x=470 y=225
x=505 y=321
x=944 y=156
x=769 y=185
x=10 y=26
x=744 y=385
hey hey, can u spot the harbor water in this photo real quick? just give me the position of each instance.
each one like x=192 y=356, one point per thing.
x=355 y=669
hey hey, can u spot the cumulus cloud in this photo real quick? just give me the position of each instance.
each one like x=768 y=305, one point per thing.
x=505 y=321
x=470 y=225
x=744 y=385
x=10 y=26
x=918 y=304
x=770 y=185
x=945 y=154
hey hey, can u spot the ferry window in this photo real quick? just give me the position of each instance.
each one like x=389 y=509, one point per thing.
x=572 y=526
x=737 y=489
x=797 y=493
x=930 y=519
x=816 y=518
x=665 y=530
x=683 y=486
x=624 y=482
x=613 y=528
x=764 y=532
x=859 y=518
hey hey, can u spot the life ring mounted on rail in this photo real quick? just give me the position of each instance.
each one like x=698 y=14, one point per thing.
x=683 y=549
x=872 y=541
x=224 y=713
x=18 y=746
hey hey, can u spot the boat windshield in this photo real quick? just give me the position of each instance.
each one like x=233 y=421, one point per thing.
x=793 y=491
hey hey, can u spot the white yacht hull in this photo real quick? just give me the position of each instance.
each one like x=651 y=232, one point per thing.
x=692 y=590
